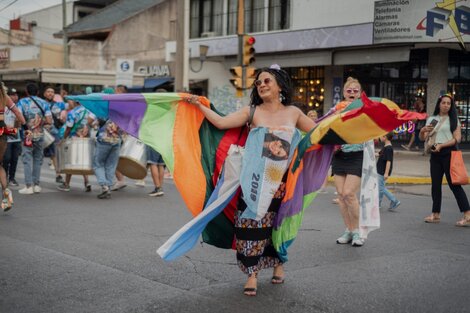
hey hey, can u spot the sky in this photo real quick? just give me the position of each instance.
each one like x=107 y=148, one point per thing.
x=19 y=7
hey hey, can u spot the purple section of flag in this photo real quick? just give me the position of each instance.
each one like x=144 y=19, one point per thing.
x=316 y=164
x=127 y=110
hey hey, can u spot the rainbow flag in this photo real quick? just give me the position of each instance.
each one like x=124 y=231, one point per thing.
x=194 y=151
x=192 y=148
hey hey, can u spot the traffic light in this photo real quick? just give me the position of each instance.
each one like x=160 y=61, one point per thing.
x=248 y=50
x=237 y=80
x=250 y=76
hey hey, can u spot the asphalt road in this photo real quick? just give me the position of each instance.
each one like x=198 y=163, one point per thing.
x=70 y=252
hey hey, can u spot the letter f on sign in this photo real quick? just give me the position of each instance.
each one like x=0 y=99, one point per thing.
x=436 y=19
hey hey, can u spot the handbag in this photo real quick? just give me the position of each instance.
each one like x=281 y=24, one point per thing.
x=431 y=140
x=458 y=172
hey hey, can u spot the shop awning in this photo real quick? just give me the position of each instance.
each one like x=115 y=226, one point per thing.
x=151 y=83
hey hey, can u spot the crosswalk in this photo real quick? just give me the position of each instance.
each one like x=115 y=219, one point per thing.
x=49 y=185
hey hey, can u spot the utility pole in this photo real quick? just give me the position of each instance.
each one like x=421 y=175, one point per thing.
x=241 y=32
x=182 y=52
x=64 y=25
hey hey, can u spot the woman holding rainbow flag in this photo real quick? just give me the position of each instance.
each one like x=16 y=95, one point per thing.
x=270 y=115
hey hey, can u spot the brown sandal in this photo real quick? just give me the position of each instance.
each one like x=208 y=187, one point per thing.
x=464 y=222
x=434 y=219
x=250 y=291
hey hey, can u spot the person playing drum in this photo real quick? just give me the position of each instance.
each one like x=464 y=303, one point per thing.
x=76 y=125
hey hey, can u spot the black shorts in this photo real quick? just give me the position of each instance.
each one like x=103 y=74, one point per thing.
x=347 y=163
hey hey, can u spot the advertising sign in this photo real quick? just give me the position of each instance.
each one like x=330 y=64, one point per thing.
x=4 y=58
x=124 y=72
x=422 y=21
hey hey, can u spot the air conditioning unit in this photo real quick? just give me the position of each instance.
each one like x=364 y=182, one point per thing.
x=208 y=34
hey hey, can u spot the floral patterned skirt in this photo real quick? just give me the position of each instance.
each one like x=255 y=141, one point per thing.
x=254 y=238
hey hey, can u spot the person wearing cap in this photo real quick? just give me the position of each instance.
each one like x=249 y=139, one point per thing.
x=6 y=104
x=37 y=114
x=13 y=152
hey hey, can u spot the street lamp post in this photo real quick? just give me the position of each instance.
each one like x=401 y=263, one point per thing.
x=202 y=57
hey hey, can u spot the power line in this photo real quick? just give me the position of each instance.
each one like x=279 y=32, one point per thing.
x=8 y=5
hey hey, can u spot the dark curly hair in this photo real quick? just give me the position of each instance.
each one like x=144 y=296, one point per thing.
x=282 y=79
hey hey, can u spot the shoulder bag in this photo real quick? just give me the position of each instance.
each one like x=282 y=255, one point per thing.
x=458 y=172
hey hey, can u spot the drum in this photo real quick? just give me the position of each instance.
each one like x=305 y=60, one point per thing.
x=75 y=156
x=133 y=158
x=48 y=139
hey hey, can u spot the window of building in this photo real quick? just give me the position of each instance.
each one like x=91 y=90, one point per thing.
x=308 y=85
x=219 y=17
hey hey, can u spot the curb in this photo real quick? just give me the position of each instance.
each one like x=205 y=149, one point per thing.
x=407 y=180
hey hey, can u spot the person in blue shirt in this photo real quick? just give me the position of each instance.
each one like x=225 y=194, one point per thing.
x=37 y=115
x=56 y=110
x=13 y=152
x=6 y=104
x=105 y=160
x=76 y=125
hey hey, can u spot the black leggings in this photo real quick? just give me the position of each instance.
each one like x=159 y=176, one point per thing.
x=440 y=165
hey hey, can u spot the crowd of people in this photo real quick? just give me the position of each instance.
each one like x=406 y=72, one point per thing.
x=28 y=120
x=273 y=122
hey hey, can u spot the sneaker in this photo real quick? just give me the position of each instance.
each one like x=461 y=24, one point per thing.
x=118 y=186
x=37 y=189
x=105 y=193
x=405 y=147
x=63 y=187
x=394 y=205
x=345 y=238
x=26 y=190
x=157 y=192
x=140 y=183
x=88 y=188
x=51 y=166
x=357 y=241
x=13 y=182
x=59 y=179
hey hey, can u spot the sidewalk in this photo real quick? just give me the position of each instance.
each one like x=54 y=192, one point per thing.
x=411 y=167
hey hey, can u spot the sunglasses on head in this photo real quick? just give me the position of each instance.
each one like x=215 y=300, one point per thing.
x=349 y=90
x=266 y=81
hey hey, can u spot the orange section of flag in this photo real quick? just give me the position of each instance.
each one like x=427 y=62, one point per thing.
x=188 y=172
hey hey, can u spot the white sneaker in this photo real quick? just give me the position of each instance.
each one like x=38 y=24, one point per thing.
x=37 y=189
x=118 y=186
x=140 y=183
x=345 y=238
x=26 y=191
x=357 y=241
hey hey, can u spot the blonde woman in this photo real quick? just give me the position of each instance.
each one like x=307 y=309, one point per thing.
x=347 y=171
x=7 y=104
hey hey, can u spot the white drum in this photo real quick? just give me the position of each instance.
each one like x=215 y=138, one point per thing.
x=48 y=139
x=75 y=156
x=133 y=158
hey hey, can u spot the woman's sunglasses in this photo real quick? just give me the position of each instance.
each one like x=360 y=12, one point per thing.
x=266 y=81
x=355 y=90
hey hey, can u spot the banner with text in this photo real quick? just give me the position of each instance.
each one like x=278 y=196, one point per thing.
x=422 y=21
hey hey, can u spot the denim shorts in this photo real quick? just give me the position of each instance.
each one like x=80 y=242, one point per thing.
x=153 y=157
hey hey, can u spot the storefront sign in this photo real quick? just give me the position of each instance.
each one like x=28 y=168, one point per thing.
x=154 y=70
x=337 y=85
x=124 y=72
x=4 y=58
x=422 y=21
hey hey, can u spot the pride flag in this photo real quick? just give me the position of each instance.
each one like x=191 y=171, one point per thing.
x=194 y=151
